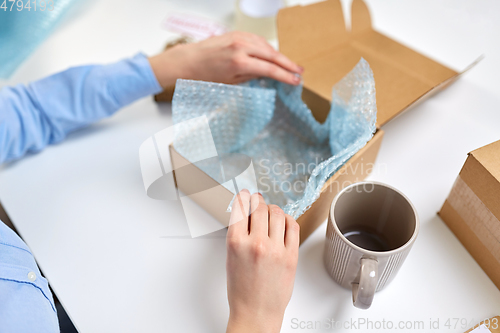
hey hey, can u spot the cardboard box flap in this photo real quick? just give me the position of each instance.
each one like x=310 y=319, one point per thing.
x=315 y=37
x=306 y=31
x=360 y=17
x=489 y=157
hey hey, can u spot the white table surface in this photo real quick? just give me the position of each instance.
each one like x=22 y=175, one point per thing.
x=108 y=251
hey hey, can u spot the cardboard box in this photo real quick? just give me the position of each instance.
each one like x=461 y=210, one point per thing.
x=316 y=38
x=489 y=325
x=472 y=210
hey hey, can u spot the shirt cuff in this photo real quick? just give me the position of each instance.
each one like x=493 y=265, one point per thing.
x=131 y=79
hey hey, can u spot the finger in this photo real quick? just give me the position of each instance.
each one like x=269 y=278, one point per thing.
x=259 y=216
x=247 y=36
x=257 y=46
x=244 y=78
x=276 y=223
x=260 y=41
x=238 y=222
x=292 y=233
x=258 y=67
x=271 y=55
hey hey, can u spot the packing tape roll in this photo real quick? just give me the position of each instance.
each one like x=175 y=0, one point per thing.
x=476 y=215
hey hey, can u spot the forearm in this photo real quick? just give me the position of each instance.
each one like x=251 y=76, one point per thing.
x=45 y=111
x=253 y=325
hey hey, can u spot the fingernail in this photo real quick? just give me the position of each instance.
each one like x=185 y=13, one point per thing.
x=259 y=194
x=245 y=190
x=296 y=79
x=301 y=69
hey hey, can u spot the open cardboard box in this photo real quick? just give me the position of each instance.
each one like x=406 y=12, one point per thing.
x=316 y=38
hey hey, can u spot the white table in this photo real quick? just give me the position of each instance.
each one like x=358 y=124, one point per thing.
x=121 y=262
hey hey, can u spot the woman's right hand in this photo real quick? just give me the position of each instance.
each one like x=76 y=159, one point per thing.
x=262 y=255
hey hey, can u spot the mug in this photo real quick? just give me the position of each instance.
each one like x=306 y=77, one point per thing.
x=371 y=228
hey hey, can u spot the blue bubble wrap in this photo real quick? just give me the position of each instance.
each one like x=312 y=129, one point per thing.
x=22 y=29
x=292 y=153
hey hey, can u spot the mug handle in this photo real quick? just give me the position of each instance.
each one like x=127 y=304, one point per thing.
x=363 y=292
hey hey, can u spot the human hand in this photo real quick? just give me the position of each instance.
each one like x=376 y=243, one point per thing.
x=230 y=58
x=262 y=254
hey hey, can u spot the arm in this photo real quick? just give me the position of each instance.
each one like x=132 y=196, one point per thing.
x=45 y=111
x=262 y=258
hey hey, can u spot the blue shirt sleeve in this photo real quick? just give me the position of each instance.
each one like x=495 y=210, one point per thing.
x=32 y=117
x=45 y=111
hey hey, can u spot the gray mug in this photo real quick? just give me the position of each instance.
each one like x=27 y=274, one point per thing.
x=371 y=228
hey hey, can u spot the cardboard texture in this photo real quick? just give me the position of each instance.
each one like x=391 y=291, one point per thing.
x=472 y=210
x=315 y=37
x=492 y=324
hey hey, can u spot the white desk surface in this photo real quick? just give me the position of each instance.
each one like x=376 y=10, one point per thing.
x=102 y=244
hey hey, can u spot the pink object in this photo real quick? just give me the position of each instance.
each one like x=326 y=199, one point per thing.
x=192 y=26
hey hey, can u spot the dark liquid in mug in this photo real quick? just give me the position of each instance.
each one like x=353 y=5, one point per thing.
x=367 y=240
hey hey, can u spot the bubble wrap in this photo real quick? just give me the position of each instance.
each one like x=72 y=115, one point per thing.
x=23 y=29
x=292 y=153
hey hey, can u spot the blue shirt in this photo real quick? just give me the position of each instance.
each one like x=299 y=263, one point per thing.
x=32 y=117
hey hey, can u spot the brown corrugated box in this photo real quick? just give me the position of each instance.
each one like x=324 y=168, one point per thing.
x=472 y=210
x=491 y=324
x=316 y=38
